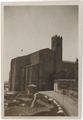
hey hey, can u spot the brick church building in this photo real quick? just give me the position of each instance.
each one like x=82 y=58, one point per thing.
x=41 y=68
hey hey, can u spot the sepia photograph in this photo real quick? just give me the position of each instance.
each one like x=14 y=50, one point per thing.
x=41 y=61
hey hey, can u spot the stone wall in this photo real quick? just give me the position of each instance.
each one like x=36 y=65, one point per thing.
x=36 y=68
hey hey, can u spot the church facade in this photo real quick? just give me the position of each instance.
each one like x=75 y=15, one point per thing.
x=41 y=68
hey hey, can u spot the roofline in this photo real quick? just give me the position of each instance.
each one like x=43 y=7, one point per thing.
x=31 y=53
x=68 y=62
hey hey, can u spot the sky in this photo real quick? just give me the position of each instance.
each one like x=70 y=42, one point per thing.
x=29 y=28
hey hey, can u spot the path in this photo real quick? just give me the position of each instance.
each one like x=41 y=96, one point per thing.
x=66 y=102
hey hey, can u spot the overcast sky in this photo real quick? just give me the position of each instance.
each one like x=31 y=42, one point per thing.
x=31 y=27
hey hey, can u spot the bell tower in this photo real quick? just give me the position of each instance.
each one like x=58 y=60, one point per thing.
x=57 y=51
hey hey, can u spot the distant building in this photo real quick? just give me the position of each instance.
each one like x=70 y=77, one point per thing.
x=41 y=68
x=67 y=84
